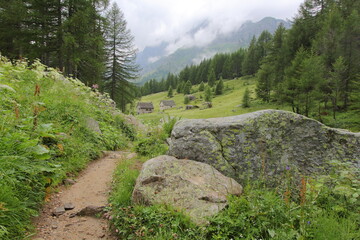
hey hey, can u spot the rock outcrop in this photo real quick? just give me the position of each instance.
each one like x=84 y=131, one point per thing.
x=197 y=188
x=263 y=144
x=93 y=125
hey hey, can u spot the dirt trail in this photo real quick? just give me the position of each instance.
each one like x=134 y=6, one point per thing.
x=91 y=188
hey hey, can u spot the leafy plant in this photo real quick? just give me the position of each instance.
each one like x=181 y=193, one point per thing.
x=169 y=124
x=151 y=145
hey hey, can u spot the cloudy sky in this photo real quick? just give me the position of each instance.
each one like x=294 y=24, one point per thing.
x=154 y=21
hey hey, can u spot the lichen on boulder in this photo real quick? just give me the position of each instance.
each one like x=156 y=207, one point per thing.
x=196 y=188
x=263 y=144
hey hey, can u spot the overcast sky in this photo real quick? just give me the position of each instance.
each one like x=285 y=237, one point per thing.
x=154 y=21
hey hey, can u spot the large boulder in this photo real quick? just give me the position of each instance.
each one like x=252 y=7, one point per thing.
x=263 y=144
x=195 y=187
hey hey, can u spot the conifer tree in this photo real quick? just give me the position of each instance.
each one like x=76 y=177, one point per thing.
x=121 y=67
x=211 y=77
x=187 y=87
x=202 y=87
x=246 y=99
x=219 y=87
x=208 y=94
x=170 y=92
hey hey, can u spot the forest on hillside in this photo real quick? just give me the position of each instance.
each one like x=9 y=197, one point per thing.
x=313 y=66
x=85 y=39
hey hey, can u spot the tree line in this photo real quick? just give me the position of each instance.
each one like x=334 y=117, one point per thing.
x=313 y=66
x=82 y=38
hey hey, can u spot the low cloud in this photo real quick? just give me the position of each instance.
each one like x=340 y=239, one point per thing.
x=155 y=21
x=153 y=59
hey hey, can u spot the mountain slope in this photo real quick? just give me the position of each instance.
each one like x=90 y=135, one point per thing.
x=157 y=62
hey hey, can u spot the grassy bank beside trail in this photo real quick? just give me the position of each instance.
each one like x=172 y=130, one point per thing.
x=44 y=136
x=230 y=104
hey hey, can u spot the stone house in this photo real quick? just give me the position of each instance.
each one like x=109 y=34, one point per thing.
x=144 y=107
x=166 y=104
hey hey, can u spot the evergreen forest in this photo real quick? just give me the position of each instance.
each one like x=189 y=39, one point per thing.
x=85 y=39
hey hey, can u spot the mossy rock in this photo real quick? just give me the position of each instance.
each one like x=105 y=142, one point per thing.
x=263 y=144
x=193 y=187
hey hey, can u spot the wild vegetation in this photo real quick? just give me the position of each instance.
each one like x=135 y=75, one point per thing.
x=81 y=38
x=44 y=137
x=321 y=207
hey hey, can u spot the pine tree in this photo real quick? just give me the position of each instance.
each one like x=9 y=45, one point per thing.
x=219 y=87
x=250 y=63
x=265 y=77
x=187 y=87
x=121 y=56
x=202 y=87
x=227 y=71
x=170 y=92
x=13 y=33
x=246 y=99
x=208 y=94
x=211 y=77
x=335 y=83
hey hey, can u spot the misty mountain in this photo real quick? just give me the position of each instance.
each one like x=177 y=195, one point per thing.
x=157 y=61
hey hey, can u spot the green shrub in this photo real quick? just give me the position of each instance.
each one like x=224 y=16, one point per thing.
x=152 y=145
x=169 y=123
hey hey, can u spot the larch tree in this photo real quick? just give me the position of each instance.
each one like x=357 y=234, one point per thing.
x=121 y=53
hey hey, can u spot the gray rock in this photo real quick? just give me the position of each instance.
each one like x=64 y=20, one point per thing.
x=90 y=211
x=69 y=181
x=263 y=144
x=197 y=188
x=93 y=125
x=69 y=206
x=58 y=211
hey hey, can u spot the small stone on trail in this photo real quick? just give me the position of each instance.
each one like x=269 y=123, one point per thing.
x=90 y=211
x=59 y=211
x=69 y=181
x=69 y=206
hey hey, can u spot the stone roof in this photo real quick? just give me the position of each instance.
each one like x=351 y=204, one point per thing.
x=169 y=103
x=145 y=105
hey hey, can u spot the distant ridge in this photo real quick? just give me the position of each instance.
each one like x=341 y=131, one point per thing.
x=156 y=64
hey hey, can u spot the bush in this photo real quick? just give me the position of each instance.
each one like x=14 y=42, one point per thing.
x=152 y=145
x=169 y=124
x=186 y=100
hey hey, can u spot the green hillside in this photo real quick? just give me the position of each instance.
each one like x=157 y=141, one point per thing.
x=45 y=136
x=227 y=104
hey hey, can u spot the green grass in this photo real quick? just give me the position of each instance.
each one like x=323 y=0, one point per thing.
x=43 y=137
x=227 y=104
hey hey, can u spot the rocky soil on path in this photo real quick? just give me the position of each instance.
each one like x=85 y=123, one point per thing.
x=91 y=188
